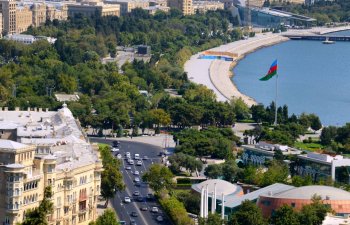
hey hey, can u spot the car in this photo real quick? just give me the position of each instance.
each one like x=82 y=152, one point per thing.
x=159 y=218
x=122 y=222
x=136 y=193
x=145 y=157
x=115 y=143
x=132 y=222
x=128 y=168
x=139 y=163
x=154 y=209
x=134 y=214
x=115 y=149
x=144 y=208
x=136 y=173
x=137 y=156
x=127 y=154
x=139 y=199
x=138 y=184
x=119 y=156
x=127 y=199
x=137 y=179
x=149 y=196
x=131 y=162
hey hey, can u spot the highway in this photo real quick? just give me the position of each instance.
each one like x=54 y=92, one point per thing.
x=123 y=209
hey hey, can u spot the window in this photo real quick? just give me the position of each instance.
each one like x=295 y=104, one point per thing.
x=293 y=204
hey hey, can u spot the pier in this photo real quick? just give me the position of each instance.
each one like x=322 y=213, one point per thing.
x=318 y=37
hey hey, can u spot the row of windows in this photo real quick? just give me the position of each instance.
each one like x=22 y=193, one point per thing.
x=30 y=185
x=30 y=199
x=25 y=156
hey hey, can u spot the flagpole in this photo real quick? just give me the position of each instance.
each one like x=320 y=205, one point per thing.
x=275 y=123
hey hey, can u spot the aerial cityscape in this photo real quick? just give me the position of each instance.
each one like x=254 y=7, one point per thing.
x=174 y=112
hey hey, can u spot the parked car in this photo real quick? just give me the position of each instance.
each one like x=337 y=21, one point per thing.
x=136 y=179
x=127 y=154
x=149 y=196
x=127 y=200
x=119 y=156
x=136 y=173
x=136 y=193
x=131 y=162
x=122 y=222
x=137 y=156
x=115 y=149
x=132 y=222
x=134 y=214
x=128 y=168
x=138 y=184
x=145 y=157
x=115 y=143
x=139 y=163
x=139 y=199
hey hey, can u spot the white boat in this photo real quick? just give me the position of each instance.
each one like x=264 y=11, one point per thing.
x=327 y=41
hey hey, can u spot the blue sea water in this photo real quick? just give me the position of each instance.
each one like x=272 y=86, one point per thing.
x=313 y=78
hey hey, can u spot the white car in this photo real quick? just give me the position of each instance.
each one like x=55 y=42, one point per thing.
x=137 y=179
x=127 y=200
x=115 y=149
x=154 y=209
x=127 y=154
x=137 y=157
x=131 y=162
x=119 y=156
x=136 y=173
x=139 y=163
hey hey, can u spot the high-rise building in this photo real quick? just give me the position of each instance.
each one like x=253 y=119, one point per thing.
x=47 y=148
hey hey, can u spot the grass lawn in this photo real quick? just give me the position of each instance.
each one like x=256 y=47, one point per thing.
x=308 y=146
x=101 y=145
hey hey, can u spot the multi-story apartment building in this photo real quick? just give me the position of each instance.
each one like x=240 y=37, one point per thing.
x=127 y=5
x=89 y=8
x=185 y=6
x=8 y=11
x=18 y=16
x=23 y=18
x=41 y=148
x=204 y=6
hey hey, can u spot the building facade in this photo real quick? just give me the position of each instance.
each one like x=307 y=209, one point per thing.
x=186 y=6
x=126 y=6
x=92 y=8
x=204 y=6
x=47 y=148
x=8 y=11
x=24 y=17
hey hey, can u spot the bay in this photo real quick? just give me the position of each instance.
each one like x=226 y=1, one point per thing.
x=313 y=78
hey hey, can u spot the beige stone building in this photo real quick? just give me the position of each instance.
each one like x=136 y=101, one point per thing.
x=89 y=8
x=204 y=6
x=23 y=18
x=58 y=12
x=127 y=5
x=47 y=148
x=8 y=11
x=185 y=6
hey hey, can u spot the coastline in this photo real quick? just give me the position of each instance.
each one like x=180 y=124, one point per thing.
x=217 y=74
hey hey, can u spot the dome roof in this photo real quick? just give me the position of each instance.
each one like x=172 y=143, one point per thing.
x=222 y=186
x=306 y=192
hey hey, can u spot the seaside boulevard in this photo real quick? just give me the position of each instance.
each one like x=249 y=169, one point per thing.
x=216 y=74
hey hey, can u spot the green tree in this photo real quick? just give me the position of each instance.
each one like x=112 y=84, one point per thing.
x=315 y=122
x=285 y=215
x=159 y=177
x=248 y=213
x=277 y=173
x=328 y=134
x=213 y=219
x=241 y=110
x=230 y=170
x=213 y=171
x=108 y=217
x=314 y=213
x=39 y=214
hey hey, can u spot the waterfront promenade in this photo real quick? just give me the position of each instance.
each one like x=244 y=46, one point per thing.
x=216 y=74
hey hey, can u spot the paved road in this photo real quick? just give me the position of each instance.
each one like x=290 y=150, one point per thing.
x=124 y=209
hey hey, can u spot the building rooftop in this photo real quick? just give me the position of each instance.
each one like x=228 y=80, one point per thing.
x=15 y=166
x=11 y=145
x=307 y=192
x=222 y=186
x=234 y=201
x=66 y=97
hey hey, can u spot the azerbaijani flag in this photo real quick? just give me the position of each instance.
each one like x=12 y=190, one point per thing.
x=272 y=71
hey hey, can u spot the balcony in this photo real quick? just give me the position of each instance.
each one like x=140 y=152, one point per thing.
x=82 y=210
x=83 y=198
